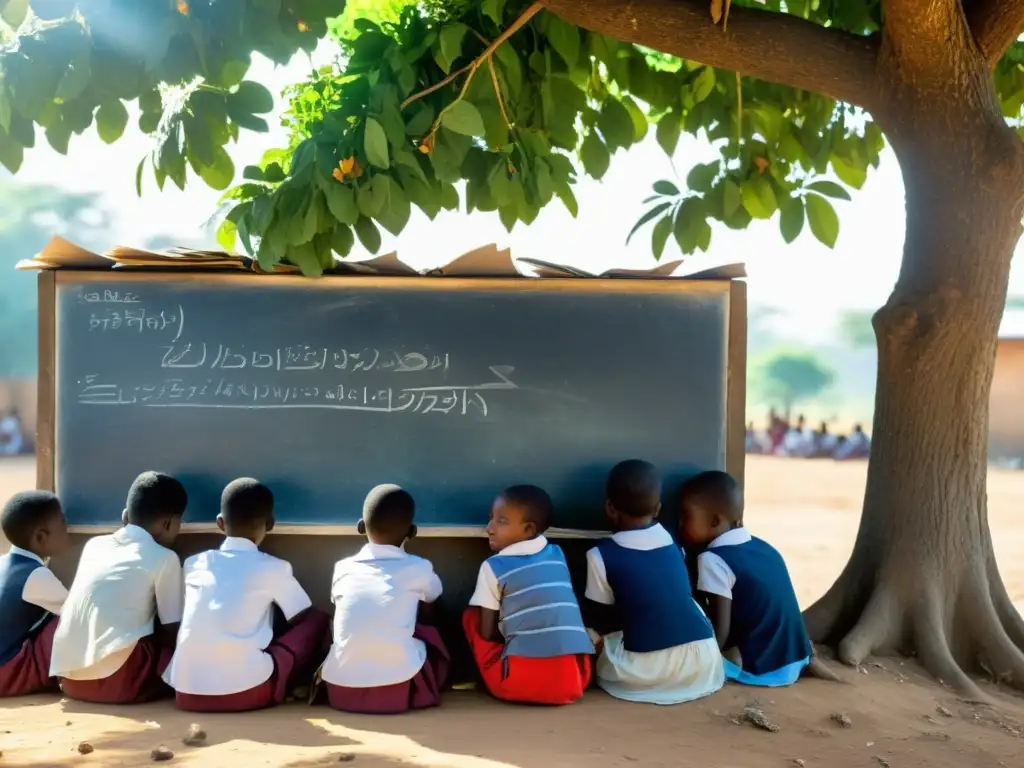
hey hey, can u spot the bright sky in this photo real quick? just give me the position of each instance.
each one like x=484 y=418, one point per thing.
x=810 y=282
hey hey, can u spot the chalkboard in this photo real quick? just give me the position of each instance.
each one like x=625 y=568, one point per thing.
x=453 y=388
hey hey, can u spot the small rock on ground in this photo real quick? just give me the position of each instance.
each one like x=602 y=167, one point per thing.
x=85 y=748
x=841 y=719
x=943 y=711
x=195 y=737
x=346 y=757
x=757 y=718
x=161 y=754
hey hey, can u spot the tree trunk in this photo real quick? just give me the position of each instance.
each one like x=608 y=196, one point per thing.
x=922 y=578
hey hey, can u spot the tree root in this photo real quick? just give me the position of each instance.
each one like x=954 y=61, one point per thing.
x=955 y=629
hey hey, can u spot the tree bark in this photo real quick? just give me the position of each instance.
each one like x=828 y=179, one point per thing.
x=922 y=578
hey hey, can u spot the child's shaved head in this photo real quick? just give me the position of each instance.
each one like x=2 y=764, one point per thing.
x=717 y=492
x=246 y=502
x=388 y=513
x=533 y=502
x=634 y=489
x=25 y=514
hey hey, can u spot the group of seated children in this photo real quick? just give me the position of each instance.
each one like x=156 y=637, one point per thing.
x=232 y=630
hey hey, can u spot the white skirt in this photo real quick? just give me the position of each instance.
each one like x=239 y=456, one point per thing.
x=670 y=676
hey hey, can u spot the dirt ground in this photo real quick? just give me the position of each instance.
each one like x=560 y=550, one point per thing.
x=896 y=716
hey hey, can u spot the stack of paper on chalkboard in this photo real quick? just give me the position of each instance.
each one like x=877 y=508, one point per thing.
x=485 y=261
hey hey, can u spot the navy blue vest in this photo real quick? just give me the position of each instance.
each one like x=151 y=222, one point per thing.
x=540 y=616
x=17 y=618
x=653 y=597
x=766 y=627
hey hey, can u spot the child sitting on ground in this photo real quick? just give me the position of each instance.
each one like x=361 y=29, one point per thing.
x=31 y=597
x=524 y=625
x=107 y=649
x=383 y=661
x=228 y=656
x=750 y=597
x=665 y=651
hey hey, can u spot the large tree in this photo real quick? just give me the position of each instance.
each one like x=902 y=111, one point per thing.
x=503 y=95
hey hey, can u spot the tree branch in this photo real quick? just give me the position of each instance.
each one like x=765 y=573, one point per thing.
x=996 y=25
x=771 y=46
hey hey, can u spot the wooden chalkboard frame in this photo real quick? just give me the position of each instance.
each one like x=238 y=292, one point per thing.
x=736 y=361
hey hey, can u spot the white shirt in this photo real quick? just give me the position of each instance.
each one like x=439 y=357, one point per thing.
x=10 y=428
x=42 y=587
x=598 y=588
x=376 y=594
x=124 y=581
x=488 y=593
x=228 y=619
x=714 y=576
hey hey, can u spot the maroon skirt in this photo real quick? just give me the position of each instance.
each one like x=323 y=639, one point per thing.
x=293 y=652
x=137 y=681
x=29 y=671
x=421 y=692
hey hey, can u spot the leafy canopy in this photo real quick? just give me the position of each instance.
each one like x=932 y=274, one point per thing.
x=793 y=376
x=498 y=94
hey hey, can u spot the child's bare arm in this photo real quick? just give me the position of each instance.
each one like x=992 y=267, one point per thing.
x=720 y=613
x=489 y=626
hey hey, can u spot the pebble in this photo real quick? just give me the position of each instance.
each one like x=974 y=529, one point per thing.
x=943 y=711
x=882 y=762
x=756 y=717
x=346 y=757
x=196 y=736
x=161 y=754
x=85 y=748
x=842 y=720
x=799 y=762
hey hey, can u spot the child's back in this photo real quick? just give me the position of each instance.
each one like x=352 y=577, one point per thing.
x=663 y=650
x=752 y=602
x=104 y=650
x=383 y=661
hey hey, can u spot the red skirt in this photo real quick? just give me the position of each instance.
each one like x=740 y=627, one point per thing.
x=29 y=671
x=422 y=692
x=293 y=652
x=137 y=681
x=556 y=680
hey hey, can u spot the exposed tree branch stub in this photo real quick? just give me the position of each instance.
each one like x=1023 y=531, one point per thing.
x=771 y=46
x=995 y=24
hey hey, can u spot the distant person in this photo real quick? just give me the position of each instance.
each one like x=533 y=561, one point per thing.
x=31 y=597
x=777 y=429
x=824 y=441
x=523 y=623
x=796 y=442
x=12 y=439
x=750 y=596
x=229 y=655
x=385 y=659
x=116 y=633
x=658 y=647
x=753 y=442
x=857 y=445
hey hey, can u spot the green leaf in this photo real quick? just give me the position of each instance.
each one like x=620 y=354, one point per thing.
x=375 y=144
x=372 y=196
x=667 y=134
x=251 y=99
x=58 y=135
x=640 y=123
x=665 y=187
x=463 y=118
x=14 y=12
x=659 y=236
x=702 y=177
x=823 y=219
x=791 y=219
x=341 y=202
x=138 y=176
x=111 y=119
x=758 y=198
x=616 y=125
x=11 y=153
x=368 y=234
x=848 y=173
x=732 y=198
x=494 y=10
x=342 y=240
x=451 y=43
x=511 y=65
x=829 y=189
x=650 y=214
x=564 y=38
x=395 y=213
x=594 y=156
x=568 y=199
x=703 y=84
x=227 y=235
x=304 y=256
x=221 y=172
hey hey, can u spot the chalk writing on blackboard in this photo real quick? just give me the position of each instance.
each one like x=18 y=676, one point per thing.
x=250 y=395
x=299 y=358
x=109 y=297
x=138 y=320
